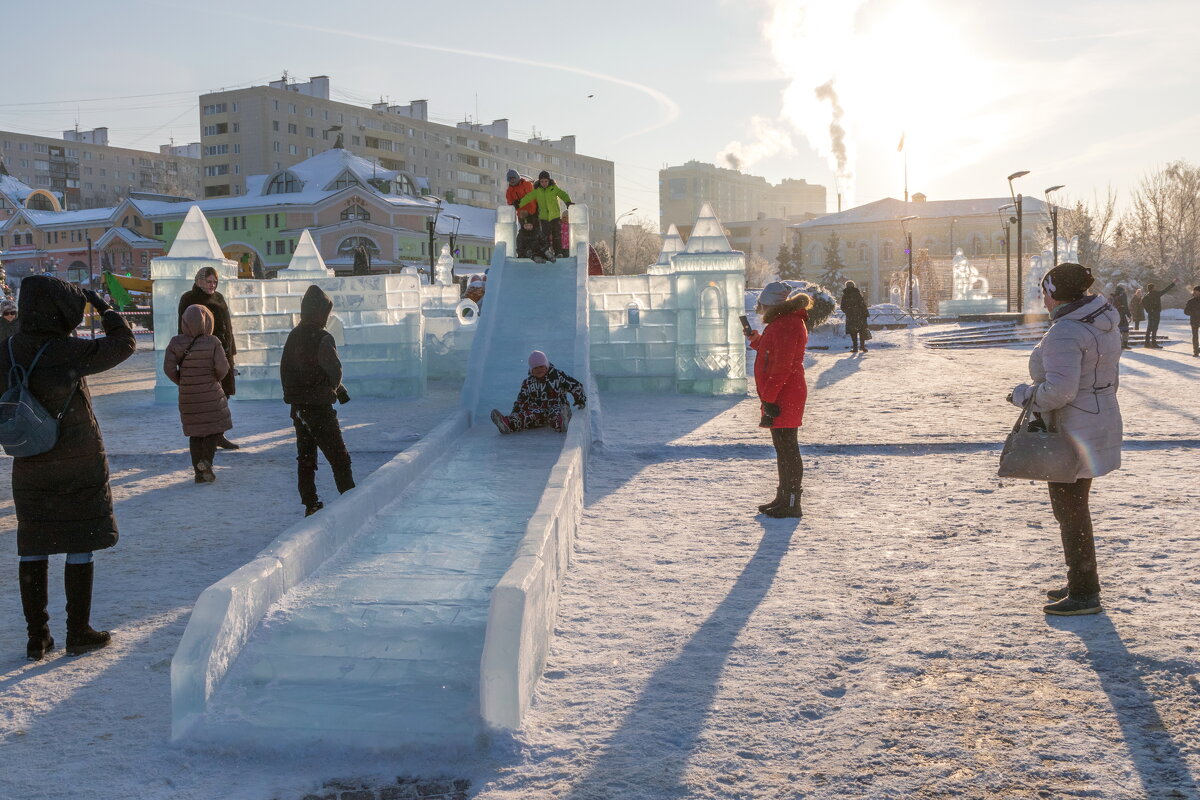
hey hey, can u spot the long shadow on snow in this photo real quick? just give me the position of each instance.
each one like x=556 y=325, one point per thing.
x=842 y=368
x=657 y=737
x=1160 y=764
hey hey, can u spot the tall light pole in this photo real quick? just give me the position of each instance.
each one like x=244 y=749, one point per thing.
x=1017 y=201
x=454 y=233
x=1053 y=221
x=908 y=249
x=432 y=224
x=616 y=226
x=1005 y=219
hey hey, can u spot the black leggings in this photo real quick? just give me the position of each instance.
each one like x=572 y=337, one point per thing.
x=787 y=458
x=1070 y=504
x=203 y=447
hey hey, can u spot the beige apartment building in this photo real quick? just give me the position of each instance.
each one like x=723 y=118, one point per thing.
x=263 y=129
x=84 y=171
x=734 y=195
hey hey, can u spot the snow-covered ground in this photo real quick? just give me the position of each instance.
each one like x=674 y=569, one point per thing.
x=890 y=644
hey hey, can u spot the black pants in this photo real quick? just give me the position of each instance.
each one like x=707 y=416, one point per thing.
x=203 y=447
x=787 y=458
x=1152 y=326
x=1070 y=504
x=550 y=233
x=1196 y=338
x=317 y=427
x=527 y=241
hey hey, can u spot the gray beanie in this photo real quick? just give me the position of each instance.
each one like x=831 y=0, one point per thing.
x=512 y=173
x=774 y=293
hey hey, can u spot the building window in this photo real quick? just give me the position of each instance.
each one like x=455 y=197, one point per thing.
x=158 y=229
x=356 y=212
x=346 y=248
x=345 y=182
x=292 y=128
x=293 y=150
x=284 y=183
x=218 y=108
x=275 y=146
x=269 y=249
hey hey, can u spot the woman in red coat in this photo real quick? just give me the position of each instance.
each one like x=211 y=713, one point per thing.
x=779 y=377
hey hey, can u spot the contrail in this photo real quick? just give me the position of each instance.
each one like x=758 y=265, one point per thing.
x=668 y=107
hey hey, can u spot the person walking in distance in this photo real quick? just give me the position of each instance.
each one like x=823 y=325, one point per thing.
x=196 y=363
x=1076 y=370
x=1120 y=302
x=1152 y=305
x=62 y=498
x=782 y=391
x=1192 y=309
x=855 y=308
x=1136 y=313
x=311 y=373
x=204 y=293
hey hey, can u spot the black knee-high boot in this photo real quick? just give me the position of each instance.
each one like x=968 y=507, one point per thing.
x=77 y=581
x=32 y=577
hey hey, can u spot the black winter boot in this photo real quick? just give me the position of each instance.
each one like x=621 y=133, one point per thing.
x=789 y=507
x=225 y=444
x=1073 y=606
x=1058 y=594
x=77 y=580
x=772 y=503
x=32 y=577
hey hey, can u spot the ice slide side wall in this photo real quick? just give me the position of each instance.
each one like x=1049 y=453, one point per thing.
x=227 y=612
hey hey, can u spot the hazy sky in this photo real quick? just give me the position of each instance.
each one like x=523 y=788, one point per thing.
x=1087 y=93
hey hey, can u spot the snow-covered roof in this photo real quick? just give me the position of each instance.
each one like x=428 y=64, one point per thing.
x=14 y=189
x=479 y=223
x=890 y=209
x=131 y=238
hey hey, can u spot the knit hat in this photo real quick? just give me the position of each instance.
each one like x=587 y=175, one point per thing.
x=1067 y=282
x=774 y=293
x=538 y=359
x=475 y=283
x=512 y=173
x=543 y=174
x=8 y=305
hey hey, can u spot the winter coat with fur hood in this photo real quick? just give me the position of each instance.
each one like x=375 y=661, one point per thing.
x=196 y=363
x=1075 y=371
x=779 y=365
x=62 y=498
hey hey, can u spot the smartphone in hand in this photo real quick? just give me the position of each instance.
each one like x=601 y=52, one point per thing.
x=746 y=329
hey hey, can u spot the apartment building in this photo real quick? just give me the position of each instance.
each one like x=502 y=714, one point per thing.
x=682 y=190
x=263 y=129
x=85 y=171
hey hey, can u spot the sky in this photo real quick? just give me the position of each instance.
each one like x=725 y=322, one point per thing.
x=1088 y=93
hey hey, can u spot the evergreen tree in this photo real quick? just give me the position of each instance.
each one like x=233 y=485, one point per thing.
x=783 y=263
x=833 y=276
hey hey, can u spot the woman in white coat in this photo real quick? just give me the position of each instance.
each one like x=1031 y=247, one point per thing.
x=1075 y=371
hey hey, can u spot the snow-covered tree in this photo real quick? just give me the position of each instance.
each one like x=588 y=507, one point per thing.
x=1163 y=224
x=758 y=271
x=832 y=273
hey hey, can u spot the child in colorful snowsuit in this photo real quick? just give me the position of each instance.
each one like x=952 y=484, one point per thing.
x=544 y=399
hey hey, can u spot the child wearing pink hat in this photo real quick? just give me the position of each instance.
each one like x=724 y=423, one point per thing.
x=544 y=399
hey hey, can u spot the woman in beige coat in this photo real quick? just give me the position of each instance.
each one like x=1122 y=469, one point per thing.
x=196 y=362
x=1075 y=371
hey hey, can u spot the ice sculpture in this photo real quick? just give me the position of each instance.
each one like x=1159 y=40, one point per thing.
x=1038 y=267
x=306 y=263
x=970 y=293
x=444 y=269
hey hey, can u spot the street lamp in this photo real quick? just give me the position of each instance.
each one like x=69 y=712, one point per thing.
x=908 y=249
x=617 y=225
x=1005 y=219
x=1053 y=221
x=454 y=233
x=432 y=225
x=1017 y=201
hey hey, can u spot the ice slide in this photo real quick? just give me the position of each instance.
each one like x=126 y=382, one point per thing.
x=417 y=618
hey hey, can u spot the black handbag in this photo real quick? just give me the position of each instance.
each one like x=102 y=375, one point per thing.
x=1038 y=452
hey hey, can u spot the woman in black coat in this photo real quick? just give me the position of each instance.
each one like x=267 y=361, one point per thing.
x=855 y=309
x=62 y=498
x=204 y=293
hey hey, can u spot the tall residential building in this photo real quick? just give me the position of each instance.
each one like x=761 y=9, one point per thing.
x=684 y=189
x=262 y=129
x=84 y=171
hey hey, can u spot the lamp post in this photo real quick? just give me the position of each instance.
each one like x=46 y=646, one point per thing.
x=908 y=249
x=1053 y=221
x=616 y=226
x=1017 y=201
x=432 y=225
x=454 y=233
x=1005 y=219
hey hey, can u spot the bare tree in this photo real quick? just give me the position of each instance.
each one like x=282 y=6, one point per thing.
x=759 y=271
x=1163 y=224
x=638 y=246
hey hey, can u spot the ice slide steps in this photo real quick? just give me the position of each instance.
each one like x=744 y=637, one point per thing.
x=381 y=647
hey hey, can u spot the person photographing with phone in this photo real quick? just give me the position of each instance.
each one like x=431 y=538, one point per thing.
x=779 y=380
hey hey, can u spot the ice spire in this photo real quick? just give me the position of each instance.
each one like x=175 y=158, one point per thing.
x=195 y=238
x=707 y=235
x=672 y=244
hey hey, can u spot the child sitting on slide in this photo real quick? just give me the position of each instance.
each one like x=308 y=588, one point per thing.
x=544 y=399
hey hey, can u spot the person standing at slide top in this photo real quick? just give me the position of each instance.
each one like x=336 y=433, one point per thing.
x=204 y=293
x=546 y=194
x=779 y=379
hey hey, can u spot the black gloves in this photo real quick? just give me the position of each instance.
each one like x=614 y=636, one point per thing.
x=580 y=404
x=342 y=395
x=97 y=301
x=769 y=412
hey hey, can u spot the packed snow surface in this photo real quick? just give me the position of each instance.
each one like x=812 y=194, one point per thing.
x=889 y=645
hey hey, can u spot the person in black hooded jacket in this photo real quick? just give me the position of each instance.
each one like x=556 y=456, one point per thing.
x=62 y=497
x=311 y=373
x=204 y=293
x=857 y=314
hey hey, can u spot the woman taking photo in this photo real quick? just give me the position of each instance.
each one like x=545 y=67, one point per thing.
x=779 y=378
x=1075 y=375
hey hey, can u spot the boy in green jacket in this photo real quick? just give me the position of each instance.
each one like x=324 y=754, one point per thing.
x=546 y=194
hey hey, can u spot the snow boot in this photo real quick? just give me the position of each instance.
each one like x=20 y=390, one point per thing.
x=550 y=255
x=864 y=348
x=204 y=472
x=772 y=503
x=77 y=580
x=789 y=506
x=537 y=258
x=225 y=444
x=32 y=577
x=1058 y=594
x=1073 y=606
x=500 y=422
x=313 y=508
x=562 y=419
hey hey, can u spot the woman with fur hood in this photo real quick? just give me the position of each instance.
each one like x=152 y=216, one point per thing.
x=1075 y=372
x=779 y=378
x=195 y=361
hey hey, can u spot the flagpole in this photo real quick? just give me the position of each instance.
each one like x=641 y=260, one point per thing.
x=906 y=176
